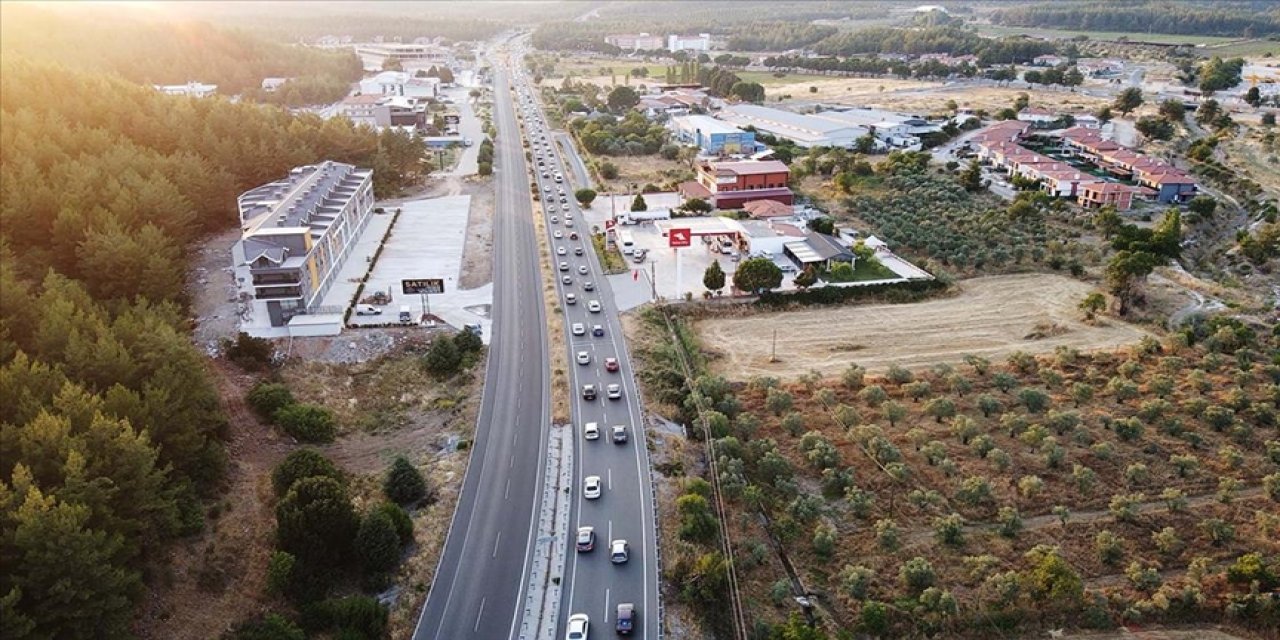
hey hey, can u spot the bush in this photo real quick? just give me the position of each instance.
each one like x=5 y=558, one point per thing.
x=353 y=617
x=468 y=342
x=377 y=543
x=271 y=626
x=400 y=518
x=307 y=423
x=299 y=464
x=443 y=359
x=280 y=573
x=268 y=397
x=249 y=352
x=404 y=483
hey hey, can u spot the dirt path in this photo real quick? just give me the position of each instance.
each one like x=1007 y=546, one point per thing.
x=219 y=577
x=990 y=317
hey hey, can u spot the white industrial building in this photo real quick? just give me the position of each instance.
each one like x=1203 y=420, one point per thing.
x=700 y=42
x=400 y=83
x=411 y=57
x=804 y=130
x=190 y=89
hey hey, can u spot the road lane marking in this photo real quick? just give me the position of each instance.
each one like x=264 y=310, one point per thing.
x=478 y=615
x=610 y=471
x=606 y=605
x=506 y=494
x=611 y=531
x=495 y=545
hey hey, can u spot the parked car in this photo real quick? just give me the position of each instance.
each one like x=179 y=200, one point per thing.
x=367 y=310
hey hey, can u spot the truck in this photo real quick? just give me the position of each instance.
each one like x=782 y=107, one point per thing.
x=636 y=217
x=406 y=314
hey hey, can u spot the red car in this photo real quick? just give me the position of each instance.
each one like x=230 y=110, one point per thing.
x=611 y=364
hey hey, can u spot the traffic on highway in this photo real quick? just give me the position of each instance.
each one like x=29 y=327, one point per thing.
x=611 y=571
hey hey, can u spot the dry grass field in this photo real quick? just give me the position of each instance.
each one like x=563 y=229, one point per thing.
x=991 y=317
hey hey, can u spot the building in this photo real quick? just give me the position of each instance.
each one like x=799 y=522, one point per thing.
x=400 y=83
x=1099 y=194
x=1037 y=116
x=729 y=185
x=1048 y=60
x=894 y=130
x=700 y=42
x=635 y=41
x=384 y=111
x=768 y=209
x=376 y=55
x=803 y=130
x=191 y=89
x=271 y=85
x=1099 y=67
x=296 y=233
x=712 y=136
x=817 y=250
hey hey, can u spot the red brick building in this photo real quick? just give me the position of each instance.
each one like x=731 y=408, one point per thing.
x=728 y=185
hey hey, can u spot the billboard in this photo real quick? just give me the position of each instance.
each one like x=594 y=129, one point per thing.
x=452 y=118
x=679 y=237
x=422 y=285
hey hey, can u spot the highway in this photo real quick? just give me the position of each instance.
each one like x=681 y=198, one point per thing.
x=476 y=591
x=593 y=585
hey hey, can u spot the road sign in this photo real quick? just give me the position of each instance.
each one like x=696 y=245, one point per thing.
x=422 y=285
x=679 y=237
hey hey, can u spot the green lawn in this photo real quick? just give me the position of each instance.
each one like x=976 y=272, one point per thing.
x=1160 y=38
x=863 y=270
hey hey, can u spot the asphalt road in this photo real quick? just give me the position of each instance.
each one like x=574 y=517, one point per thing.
x=593 y=584
x=477 y=589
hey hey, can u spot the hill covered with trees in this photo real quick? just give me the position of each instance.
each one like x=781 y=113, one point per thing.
x=1230 y=19
x=110 y=430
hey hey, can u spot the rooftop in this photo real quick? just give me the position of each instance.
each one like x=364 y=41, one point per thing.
x=705 y=124
x=750 y=167
x=308 y=197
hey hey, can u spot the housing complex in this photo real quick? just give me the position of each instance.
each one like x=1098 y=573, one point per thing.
x=1084 y=165
x=296 y=233
x=730 y=185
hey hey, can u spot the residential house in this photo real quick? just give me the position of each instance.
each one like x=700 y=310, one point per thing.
x=1037 y=116
x=1098 y=194
x=729 y=185
x=296 y=233
x=768 y=209
x=1171 y=185
x=818 y=250
x=191 y=89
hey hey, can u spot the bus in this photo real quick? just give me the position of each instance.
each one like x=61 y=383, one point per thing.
x=626 y=243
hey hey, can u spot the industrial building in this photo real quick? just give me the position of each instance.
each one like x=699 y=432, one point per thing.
x=700 y=42
x=635 y=41
x=296 y=233
x=712 y=136
x=400 y=83
x=835 y=128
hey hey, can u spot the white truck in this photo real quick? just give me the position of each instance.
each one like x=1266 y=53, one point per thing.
x=636 y=217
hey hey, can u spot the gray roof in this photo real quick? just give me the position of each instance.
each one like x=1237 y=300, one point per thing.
x=827 y=247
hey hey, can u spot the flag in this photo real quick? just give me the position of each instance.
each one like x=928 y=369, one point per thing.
x=635 y=274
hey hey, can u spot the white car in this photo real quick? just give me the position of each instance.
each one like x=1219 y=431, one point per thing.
x=614 y=391
x=546 y=188
x=367 y=310
x=570 y=298
x=560 y=251
x=593 y=306
x=567 y=280
x=564 y=207
x=591 y=431
x=591 y=487
x=583 y=356
x=564 y=266
x=582 y=269
x=557 y=234
x=619 y=552
x=577 y=627
x=579 y=329
x=555 y=219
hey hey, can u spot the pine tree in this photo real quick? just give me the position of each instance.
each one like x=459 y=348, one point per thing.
x=404 y=483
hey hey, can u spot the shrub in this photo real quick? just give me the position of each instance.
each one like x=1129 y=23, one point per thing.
x=404 y=483
x=268 y=397
x=307 y=423
x=249 y=352
x=400 y=518
x=377 y=543
x=949 y=529
x=917 y=574
x=299 y=464
x=855 y=581
x=271 y=626
x=353 y=617
x=280 y=574
x=443 y=359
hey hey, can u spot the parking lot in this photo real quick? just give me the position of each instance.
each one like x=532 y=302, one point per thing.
x=427 y=242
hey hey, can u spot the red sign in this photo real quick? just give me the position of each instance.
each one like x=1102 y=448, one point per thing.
x=608 y=224
x=679 y=238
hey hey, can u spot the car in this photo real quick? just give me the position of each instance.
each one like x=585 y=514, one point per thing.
x=584 y=357
x=586 y=538
x=591 y=487
x=611 y=365
x=367 y=310
x=591 y=431
x=596 y=330
x=588 y=392
x=577 y=627
x=567 y=280
x=573 y=235
x=619 y=434
x=564 y=266
x=555 y=219
x=546 y=188
x=614 y=391
x=626 y=618
x=577 y=251
x=582 y=268
x=571 y=298
x=564 y=207
x=588 y=286
x=557 y=234
x=544 y=174
x=578 y=329
x=560 y=251
x=593 y=306
x=619 y=551
x=568 y=222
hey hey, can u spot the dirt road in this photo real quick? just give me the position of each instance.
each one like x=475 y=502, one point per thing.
x=990 y=317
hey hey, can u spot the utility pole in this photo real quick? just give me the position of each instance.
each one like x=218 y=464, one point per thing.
x=773 y=352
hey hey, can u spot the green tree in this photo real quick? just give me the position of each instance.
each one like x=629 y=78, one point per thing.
x=713 y=278
x=638 y=203
x=1125 y=273
x=917 y=574
x=622 y=98
x=1128 y=100
x=585 y=196
x=1092 y=305
x=443 y=358
x=306 y=422
x=697 y=522
x=271 y=626
x=280 y=573
x=268 y=397
x=400 y=518
x=608 y=170
x=1050 y=579
x=806 y=278
x=299 y=464
x=971 y=178
x=404 y=484
x=1173 y=110
x=377 y=543
x=697 y=206
x=315 y=522
x=757 y=275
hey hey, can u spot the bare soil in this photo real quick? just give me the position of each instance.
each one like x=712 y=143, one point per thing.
x=642 y=170
x=212 y=287
x=990 y=317
x=915 y=96
x=477 y=253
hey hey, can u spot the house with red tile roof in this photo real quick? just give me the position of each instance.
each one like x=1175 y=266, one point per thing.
x=1099 y=194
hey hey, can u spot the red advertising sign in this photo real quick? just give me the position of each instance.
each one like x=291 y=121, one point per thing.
x=679 y=238
x=608 y=224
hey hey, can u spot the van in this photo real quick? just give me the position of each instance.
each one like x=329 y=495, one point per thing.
x=367 y=310
x=406 y=315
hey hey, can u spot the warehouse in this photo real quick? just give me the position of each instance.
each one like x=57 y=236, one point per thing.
x=804 y=130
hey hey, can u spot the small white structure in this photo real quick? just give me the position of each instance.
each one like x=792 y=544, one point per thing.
x=270 y=85
x=1037 y=115
x=191 y=89
x=400 y=83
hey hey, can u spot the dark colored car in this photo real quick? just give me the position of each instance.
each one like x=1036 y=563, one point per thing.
x=627 y=616
x=588 y=392
x=597 y=330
